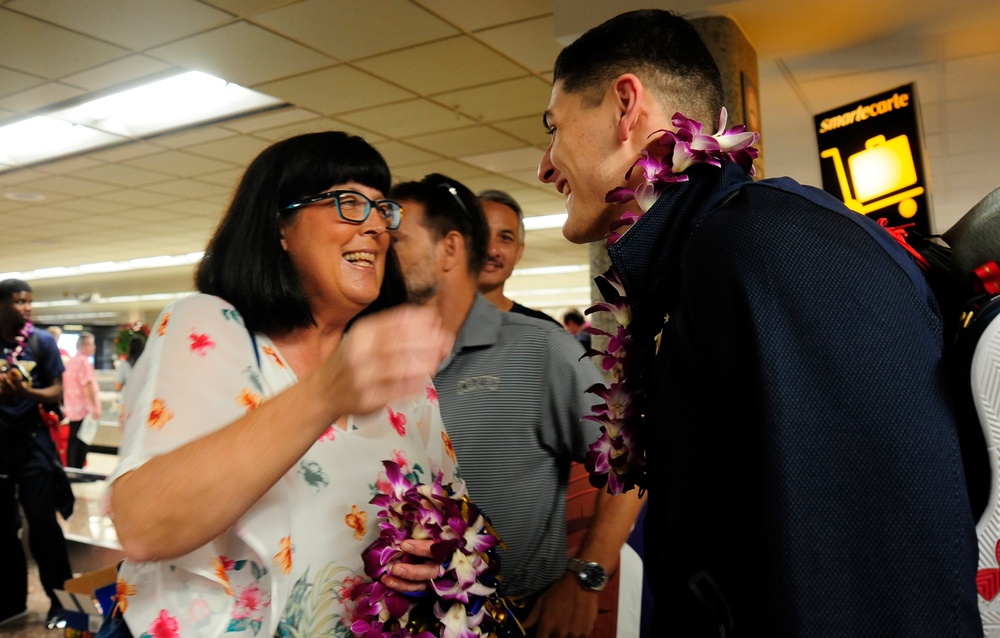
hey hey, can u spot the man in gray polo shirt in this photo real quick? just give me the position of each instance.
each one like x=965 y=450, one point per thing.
x=512 y=394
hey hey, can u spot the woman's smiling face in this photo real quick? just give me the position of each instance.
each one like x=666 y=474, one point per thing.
x=340 y=264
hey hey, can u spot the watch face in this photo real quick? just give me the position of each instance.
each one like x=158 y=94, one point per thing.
x=592 y=576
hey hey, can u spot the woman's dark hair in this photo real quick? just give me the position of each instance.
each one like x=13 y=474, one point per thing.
x=135 y=347
x=662 y=48
x=449 y=205
x=245 y=263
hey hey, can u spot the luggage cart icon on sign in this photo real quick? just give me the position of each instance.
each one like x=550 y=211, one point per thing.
x=882 y=175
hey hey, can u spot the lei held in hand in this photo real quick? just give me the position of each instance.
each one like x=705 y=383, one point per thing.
x=463 y=601
x=617 y=460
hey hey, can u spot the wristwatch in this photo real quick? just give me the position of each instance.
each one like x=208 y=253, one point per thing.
x=591 y=576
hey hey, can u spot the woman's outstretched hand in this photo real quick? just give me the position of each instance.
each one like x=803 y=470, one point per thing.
x=385 y=357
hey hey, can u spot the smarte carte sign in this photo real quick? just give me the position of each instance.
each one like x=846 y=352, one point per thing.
x=871 y=156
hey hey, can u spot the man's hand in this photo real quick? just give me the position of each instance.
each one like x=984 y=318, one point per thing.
x=413 y=577
x=564 y=610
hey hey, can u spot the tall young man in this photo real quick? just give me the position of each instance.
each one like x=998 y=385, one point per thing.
x=30 y=471
x=803 y=465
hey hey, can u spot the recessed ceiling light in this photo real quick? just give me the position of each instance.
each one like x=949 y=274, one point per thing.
x=25 y=196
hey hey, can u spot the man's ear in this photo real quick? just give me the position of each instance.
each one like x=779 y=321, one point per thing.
x=628 y=94
x=451 y=251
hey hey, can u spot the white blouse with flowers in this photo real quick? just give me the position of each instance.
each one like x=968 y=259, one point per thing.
x=287 y=566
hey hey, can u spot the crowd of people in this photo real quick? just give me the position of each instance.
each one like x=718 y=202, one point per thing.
x=802 y=477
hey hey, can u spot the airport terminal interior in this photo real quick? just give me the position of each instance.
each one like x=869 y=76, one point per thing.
x=108 y=228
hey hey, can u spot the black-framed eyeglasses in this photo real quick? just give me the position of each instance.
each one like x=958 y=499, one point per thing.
x=354 y=207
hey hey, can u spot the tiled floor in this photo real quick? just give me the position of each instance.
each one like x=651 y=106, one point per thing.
x=92 y=544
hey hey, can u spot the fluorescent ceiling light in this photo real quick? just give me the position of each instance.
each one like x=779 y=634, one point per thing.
x=162 y=261
x=165 y=105
x=544 y=222
x=550 y=270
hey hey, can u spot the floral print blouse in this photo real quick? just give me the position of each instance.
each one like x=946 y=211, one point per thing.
x=287 y=566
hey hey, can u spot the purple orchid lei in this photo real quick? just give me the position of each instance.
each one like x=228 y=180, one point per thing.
x=20 y=339
x=617 y=460
x=463 y=601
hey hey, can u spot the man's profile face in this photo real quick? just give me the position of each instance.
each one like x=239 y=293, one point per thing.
x=506 y=244
x=584 y=161
x=416 y=250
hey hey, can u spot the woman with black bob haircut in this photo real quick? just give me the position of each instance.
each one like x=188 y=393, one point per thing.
x=246 y=266
x=256 y=422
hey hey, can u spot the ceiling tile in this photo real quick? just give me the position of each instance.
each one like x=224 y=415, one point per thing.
x=103 y=209
x=451 y=168
x=459 y=142
x=507 y=160
x=40 y=49
x=502 y=100
x=268 y=119
x=39 y=97
x=191 y=137
x=126 y=151
x=66 y=185
x=122 y=175
x=228 y=178
x=242 y=53
x=15 y=82
x=348 y=30
x=177 y=163
x=246 y=8
x=315 y=125
x=70 y=165
x=138 y=198
x=137 y=24
x=531 y=43
x=233 y=150
x=399 y=154
x=20 y=176
x=420 y=69
x=407 y=118
x=473 y=16
x=335 y=90
x=116 y=73
x=187 y=188
x=529 y=129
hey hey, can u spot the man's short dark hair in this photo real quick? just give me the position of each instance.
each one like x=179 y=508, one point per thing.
x=449 y=205
x=660 y=47
x=574 y=317
x=8 y=287
x=500 y=197
x=245 y=263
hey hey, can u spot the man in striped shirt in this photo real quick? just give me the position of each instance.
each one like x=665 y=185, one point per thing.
x=511 y=394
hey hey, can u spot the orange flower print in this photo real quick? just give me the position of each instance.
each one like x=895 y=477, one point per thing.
x=160 y=329
x=398 y=421
x=448 y=447
x=249 y=400
x=122 y=591
x=283 y=559
x=158 y=415
x=432 y=393
x=357 y=520
x=223 y=565
x=165 y=626
x=269 y=351
x=201 y=343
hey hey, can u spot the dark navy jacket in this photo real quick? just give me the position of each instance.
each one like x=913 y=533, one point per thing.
x=805 y=475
